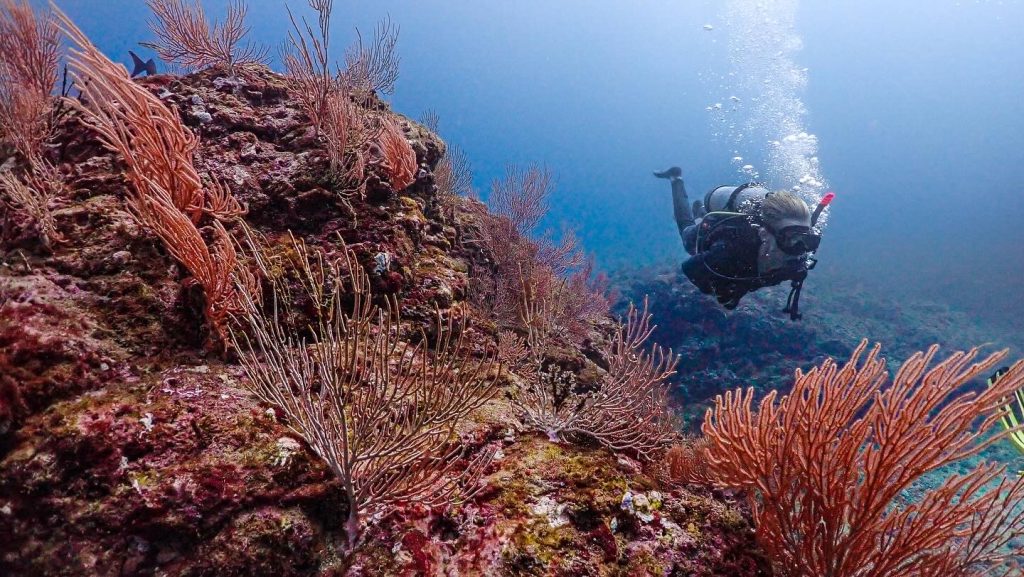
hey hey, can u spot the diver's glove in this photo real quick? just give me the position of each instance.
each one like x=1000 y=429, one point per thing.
x=674 y=172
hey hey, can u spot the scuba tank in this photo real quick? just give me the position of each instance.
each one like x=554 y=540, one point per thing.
x=732 y=198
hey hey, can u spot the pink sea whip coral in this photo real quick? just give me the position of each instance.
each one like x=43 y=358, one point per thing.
x=186 y=37
x=627 y=409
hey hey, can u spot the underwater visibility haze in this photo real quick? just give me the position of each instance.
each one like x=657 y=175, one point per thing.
x=449 y=287
x=913 y=106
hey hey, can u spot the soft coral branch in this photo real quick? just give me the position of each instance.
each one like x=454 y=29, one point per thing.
x=149 y=137
x=29 y=51
x=380 y=411
x=397 y=157
x=824 y=465
x=166 y=195
x=184 y=35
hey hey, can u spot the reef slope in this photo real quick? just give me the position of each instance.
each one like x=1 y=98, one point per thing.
x=130 y=446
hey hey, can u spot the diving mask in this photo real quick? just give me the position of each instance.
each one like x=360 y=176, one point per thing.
x=797 y=240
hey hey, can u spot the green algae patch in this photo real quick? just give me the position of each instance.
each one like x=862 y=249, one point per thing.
x=567 y=510
x=543 y=543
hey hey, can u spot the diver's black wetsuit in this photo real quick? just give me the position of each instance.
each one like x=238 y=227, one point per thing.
x=726 y=263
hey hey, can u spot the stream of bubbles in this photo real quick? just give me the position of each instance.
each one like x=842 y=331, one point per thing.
x=761 y=112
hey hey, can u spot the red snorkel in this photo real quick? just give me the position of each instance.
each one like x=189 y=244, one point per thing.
x=825 y=201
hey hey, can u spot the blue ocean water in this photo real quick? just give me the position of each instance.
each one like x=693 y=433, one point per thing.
x=914 y=106
x=910 y=112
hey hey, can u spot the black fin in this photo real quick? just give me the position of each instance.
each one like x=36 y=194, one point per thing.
x=674 y=172
x=149 y=66
x=139 y=65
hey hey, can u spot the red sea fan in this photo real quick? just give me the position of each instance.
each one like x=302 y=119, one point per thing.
x=686 y=463
x=825 y=466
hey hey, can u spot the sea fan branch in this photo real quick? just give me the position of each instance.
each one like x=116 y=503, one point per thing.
x=824 y=465
x=184 y=35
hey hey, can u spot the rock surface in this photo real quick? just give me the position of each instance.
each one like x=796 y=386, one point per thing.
x=127 y=447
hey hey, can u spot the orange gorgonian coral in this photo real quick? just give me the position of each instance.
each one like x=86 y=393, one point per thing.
x=29 y=51
x=685 y=463
x=29 y=46
x=824 y=468
x=156 y=148
x=166 y=195
x=213 y=266
x=397 y=156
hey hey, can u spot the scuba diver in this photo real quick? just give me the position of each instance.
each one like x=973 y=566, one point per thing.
x=745 y=237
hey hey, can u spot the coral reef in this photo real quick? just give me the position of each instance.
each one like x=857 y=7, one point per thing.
x=127 y=447
x=822 y=467
x=756 y=345
x=562 y=510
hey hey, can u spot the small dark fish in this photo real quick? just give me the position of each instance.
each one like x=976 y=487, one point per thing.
x=149 y=66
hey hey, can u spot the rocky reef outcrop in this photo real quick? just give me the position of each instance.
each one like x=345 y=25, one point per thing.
x=128 y=446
